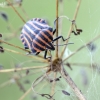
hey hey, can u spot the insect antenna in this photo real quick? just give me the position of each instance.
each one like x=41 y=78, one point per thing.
x=63 y=44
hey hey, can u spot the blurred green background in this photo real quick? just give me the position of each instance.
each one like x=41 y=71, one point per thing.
x=85 y=76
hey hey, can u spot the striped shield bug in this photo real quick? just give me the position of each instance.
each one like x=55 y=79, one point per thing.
x=37 y=36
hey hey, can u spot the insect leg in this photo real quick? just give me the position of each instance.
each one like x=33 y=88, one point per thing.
x=54 y=31
x=37 y=53
x=45 y=54
x=59 y=38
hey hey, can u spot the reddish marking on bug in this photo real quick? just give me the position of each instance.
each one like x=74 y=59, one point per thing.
x=49 y=40
x=27 y=42
x=34 y=25
x=27 y=34
x=36 y=48
x=38 y=44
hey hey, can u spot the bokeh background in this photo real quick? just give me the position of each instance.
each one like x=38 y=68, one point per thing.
x=84 y=74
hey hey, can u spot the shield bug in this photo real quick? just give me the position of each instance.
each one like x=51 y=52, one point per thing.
x=37 y=36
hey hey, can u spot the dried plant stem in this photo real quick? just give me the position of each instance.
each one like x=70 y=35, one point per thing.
x=31 y=73
x=53 y=85
x=97 y=37
x=72 y=25
x=16 y=11
x=57 y=1
x=14 y=46
x=19 y=77
x=25 y=94
x=24 y=12
x=14 y=34
x=35 y=57
x=18 y=47
x=71 y=83
x=10 y=26
x=5 y=83
x=19 y=84
x=21 y=69
x=81 y=64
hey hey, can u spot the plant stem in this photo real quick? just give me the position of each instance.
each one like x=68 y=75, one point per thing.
x=97 y=37
x=71 y=83
x=16 y=11
x=20 y=69
x=53 y=85
x=14 y=46
x=35 y=57
x=25 y=94
x=71 y=27
x=57 y=1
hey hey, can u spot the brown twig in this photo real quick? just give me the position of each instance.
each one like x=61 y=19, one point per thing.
x=20 y=69
x=53 y=85
x=97 y=37
x=35 y=57
x=14 y=46
x=57 y=1
x=14 y=34
x=18 y=47
x=5 y=83
x=71 y=27
x=24 y=12
x=25 y=94
x=19 y=84
x=16 y=11
x=71 y=83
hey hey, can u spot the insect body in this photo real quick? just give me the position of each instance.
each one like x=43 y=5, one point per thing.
x=37 y=36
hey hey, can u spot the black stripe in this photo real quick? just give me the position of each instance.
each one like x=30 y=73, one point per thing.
x=38 y=47
x=28 y=32
x=39 y=26
x=51 y=47
x=39 y=41
x=44 y=22
x=35 y=19
x=43 y=38
x=39 y=19
x=32 y=28
x=23 y=41
x=21 y=36
x=25 y=44
x=47 y=34
x=29 y=41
